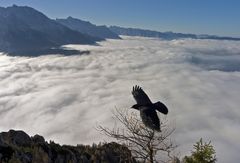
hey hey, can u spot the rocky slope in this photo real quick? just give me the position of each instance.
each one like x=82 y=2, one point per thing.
x=88 y=28
x=18 y=147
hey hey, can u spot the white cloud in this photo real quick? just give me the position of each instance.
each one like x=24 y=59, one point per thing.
x=63 y=98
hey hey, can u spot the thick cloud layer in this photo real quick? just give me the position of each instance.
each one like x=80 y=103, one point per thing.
x=63 y=98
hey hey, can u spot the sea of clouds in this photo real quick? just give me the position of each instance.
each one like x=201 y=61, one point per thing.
x=63 y=98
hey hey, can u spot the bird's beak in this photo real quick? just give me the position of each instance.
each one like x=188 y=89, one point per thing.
x=134 y=107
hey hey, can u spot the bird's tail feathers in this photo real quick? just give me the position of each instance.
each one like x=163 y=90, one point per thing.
x=160 y=107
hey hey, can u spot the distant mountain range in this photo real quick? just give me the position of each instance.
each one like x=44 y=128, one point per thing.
x=26 y=31
x=85 y=27
x=164 y=35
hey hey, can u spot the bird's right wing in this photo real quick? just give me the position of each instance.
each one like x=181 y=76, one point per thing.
x=140 y=96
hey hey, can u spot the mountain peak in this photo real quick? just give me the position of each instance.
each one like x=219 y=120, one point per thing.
x=25 y=29
x=69 y=17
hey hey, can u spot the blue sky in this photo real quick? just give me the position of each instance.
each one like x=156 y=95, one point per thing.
x=220 y=17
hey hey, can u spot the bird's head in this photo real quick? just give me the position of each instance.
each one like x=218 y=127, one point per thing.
x=135 y=107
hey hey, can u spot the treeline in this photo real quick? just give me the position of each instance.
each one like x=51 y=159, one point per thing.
x=18 y=147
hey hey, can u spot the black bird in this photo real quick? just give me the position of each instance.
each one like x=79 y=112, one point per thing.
x=148 y=109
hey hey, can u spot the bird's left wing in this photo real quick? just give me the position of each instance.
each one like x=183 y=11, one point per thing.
x=140 y=96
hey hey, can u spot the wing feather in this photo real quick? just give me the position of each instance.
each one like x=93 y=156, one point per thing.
x=140 y=96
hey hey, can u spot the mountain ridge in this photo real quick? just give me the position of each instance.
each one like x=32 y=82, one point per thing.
x=165 y=35
x=26 y=29
x=88 y=28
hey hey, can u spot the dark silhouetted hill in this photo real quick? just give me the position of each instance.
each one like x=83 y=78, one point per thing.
x=164 y=35
x=18 y=147
x=88 y=28
x=26 y=29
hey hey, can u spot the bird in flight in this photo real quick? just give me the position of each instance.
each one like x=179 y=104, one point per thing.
x=148 y=109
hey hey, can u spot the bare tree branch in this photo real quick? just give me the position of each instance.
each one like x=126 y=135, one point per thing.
x=144 y=143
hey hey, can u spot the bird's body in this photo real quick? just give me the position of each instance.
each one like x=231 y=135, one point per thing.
x=148 y=109
x=150 y=118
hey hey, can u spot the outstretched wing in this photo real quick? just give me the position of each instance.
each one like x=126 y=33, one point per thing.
x=140 y=96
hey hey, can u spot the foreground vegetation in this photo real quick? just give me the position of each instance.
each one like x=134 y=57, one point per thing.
x=18 y=147
x=135 y=143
